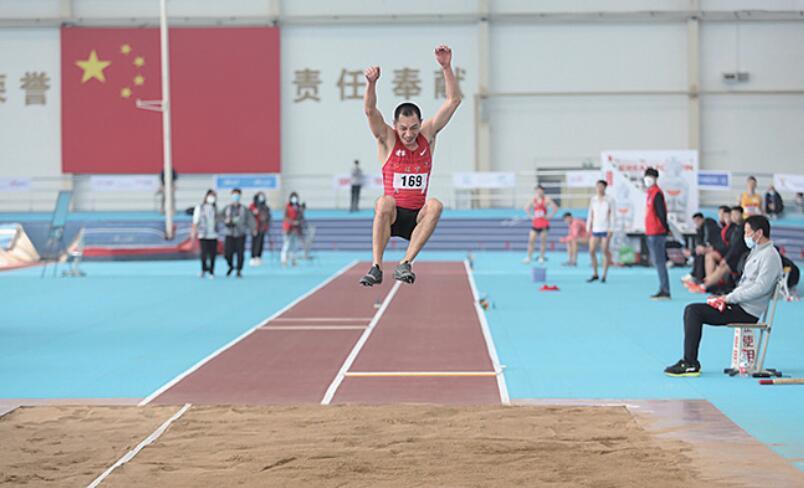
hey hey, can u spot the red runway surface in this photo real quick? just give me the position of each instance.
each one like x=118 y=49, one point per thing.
x=424 y=344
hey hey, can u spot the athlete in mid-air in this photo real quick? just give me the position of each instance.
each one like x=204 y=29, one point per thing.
x=406 y=153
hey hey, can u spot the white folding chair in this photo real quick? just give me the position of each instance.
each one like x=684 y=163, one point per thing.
x=764 y=326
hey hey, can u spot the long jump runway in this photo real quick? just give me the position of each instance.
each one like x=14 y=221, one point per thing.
x=341 y=343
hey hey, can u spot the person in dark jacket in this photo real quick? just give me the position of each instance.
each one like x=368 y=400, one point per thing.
x=774 y=205
x=707 y=238
x=728 y=265
x=237 y=221
x=262 y=224
x=656 y=231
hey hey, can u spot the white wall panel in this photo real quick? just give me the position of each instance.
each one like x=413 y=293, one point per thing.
x=30 y=133
x=562 y=57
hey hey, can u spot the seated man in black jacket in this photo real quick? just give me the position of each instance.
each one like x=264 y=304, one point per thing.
x=707 y=239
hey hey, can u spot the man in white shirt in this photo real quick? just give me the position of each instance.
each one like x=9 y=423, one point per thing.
x=599 y=225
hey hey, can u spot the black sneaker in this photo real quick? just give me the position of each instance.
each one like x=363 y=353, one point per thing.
x=404 y=273
x=683 y=368
x=603 y=279
x=373 y=277
x=593 y=278
x=662 y=295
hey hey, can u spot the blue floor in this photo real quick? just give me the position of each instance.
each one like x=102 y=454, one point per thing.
x=127 y=328
x=610 y=341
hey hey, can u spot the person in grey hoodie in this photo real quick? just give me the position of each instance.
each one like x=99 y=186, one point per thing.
x=238 y=223
x=745 y=304
x=205 y=229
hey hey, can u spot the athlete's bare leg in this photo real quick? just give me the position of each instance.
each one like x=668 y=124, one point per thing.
x=384 y=217
x=426 y=223
x=543 y=246
x=593 y=253
x=606 y=256
x=531 y=245
x=720 y=272
x=710 y=262
x=572 y=250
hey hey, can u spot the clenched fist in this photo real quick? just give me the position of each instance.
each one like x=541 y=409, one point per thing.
x=443 y=55
x=372 y=74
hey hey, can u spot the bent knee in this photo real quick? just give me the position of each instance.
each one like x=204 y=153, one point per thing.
x=435 y=206
x=385 y=204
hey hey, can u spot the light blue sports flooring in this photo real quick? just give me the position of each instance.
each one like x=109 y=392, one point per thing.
x=129 y=327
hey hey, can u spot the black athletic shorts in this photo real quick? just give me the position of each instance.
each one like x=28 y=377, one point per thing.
x=405 y=222
x=540 y=230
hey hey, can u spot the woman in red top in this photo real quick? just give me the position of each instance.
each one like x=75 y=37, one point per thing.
x=541 y=209
x=290 y=230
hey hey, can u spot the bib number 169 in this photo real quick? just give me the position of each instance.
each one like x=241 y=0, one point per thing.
x=404 y=181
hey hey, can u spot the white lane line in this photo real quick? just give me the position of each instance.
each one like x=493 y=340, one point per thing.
x=323 y=319
x=292 y=304
x=484 y=325
x=333 y=387
x=146 y=442
x=403 y=374
x=313 y=327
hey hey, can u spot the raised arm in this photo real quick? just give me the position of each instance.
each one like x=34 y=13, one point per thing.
x=433 y=126
x=379 y=128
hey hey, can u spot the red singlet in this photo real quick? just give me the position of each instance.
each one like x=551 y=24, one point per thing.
x=540 y=214
x=406 y=174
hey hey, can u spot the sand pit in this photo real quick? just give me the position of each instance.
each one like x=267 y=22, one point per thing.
x=392 y=446
x=68 y=445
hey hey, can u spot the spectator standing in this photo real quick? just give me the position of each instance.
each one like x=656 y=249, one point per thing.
x=774 y=205
x=750 y=200
x=237 y=221
x=291 y=230
x=357 y=184
x=173 y=177
x=656 y=231
x=262 y=225
x=205 y=228
x=599 y=224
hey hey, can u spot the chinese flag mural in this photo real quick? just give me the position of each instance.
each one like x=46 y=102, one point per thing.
x=224 y=90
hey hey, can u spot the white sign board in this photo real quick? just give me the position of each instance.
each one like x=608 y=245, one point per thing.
x=678 y=178
x=15 y=184
x=714 y=180
x=583 y=179
x=344 y=180
x=788 y=183
x=105 y=184
x=483 y=179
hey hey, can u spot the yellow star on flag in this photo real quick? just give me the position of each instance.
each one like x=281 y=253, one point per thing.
x=125 y=92
x=125 y=49
x=139 y=80
x=139 y=61
x=93 y=67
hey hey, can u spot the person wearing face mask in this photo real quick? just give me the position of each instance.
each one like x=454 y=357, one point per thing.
x=291 y=230
x=205 y=229
x=237 y=221
x=262 y=220
x=729 y=265
x=656 y=231
x=745 y=304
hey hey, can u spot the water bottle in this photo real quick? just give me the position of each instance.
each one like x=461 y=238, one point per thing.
x=743 y=366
